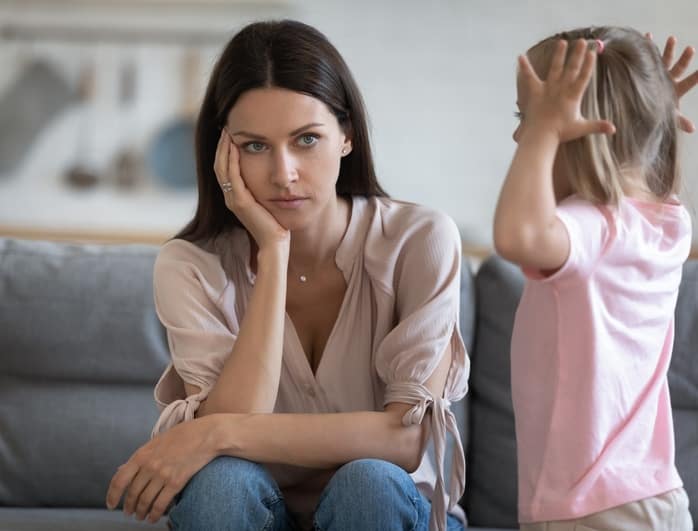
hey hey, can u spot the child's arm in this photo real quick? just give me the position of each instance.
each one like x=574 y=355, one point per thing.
x=526 y=229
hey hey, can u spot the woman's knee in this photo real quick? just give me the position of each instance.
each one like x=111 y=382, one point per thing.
x=372 y=490
x=228 y=493
x=364 y=475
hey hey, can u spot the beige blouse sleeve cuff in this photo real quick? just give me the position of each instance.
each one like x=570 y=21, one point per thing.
x=174 y=406
x=442 y=421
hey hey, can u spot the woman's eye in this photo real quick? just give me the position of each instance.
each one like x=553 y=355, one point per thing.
x=254 y=147
x=307 y=140
x=518 y=115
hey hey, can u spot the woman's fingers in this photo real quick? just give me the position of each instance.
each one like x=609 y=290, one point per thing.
x=135 y=489
x=220 y=163
x=147 y=497
x=120 y=482
x=234 y=169
x=161 y=503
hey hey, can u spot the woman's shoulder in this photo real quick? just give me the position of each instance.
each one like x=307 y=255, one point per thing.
x=404 y=222
x=180 y=261
x=197 y=254
x=404 y=237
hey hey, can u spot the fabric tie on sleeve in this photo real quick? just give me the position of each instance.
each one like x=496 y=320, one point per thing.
x=442 y=420
x=178 y=411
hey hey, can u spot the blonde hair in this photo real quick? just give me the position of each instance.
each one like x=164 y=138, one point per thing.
x=631 y=88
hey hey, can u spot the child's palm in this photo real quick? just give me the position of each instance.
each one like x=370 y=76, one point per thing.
x=556 y=102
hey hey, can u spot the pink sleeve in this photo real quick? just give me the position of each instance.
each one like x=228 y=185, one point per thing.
x=188 y=287
x=590 y=229
x=427 y=294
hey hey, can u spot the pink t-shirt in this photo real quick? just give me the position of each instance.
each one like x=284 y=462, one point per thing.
x=590 y=352
x=401 y=264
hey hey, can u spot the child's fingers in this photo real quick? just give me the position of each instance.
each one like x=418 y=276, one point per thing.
x=685 y=124
x=574 y=63
x=558 y=62
x=682 y=64
x=669 y=51
x=526 y=71
x=585 y=73
x=603 y=127
x=686 y=84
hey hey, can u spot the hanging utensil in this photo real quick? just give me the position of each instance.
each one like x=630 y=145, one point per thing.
x=171 y=157
x=81 y=174
x=127 y=170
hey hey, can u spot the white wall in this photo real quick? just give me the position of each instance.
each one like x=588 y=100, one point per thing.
x=438 y=80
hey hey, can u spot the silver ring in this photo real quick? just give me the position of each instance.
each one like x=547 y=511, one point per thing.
x=226 y=187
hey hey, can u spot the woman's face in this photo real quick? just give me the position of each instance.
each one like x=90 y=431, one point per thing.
x=290 y=148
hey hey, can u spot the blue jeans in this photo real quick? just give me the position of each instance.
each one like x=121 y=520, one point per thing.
x=367 y=494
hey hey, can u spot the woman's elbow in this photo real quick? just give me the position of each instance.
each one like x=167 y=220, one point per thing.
x=412 y=448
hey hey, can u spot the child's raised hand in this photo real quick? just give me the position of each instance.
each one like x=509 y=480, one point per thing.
x=555 y=104
x=681 y=86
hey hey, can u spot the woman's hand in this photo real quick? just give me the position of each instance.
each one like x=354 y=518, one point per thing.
x=161 y=468
x=262 y=225
x=555 y=104
x=681 y=86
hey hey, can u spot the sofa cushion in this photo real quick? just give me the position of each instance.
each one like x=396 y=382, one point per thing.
x=81 y=349
x=12 y=519
x=683 y=383
x=490 y=494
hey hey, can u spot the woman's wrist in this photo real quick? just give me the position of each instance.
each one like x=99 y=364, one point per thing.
x=273 y=257
x=221 y=439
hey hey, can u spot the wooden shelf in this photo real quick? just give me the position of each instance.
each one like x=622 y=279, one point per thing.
x=84 y=236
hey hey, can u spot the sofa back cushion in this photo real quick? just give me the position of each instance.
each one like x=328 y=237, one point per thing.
x=80 y=351
x=491 y=490
x=683 y=383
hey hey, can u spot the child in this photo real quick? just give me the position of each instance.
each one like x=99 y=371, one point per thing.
x=589 y=211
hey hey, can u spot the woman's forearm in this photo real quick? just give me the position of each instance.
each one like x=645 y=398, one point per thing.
x=249 y=380
x=322 y=440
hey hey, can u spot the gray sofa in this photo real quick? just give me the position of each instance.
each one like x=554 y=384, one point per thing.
x=81 y=348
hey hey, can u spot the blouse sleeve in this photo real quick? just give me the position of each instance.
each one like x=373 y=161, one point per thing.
x=427 y=295
x=188 y=287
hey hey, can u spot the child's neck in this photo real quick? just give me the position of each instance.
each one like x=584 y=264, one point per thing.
x=635 y=187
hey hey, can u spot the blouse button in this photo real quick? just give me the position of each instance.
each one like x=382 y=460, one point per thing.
x=310 y=390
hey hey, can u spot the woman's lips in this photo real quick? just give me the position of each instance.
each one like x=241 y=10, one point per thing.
x=291 y=203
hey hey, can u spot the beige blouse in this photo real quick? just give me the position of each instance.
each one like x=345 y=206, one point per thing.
x=401 y=263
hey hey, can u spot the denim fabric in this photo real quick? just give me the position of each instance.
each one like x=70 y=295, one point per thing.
x=367 y=494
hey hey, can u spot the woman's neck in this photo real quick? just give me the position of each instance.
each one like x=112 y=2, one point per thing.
x=315 y=247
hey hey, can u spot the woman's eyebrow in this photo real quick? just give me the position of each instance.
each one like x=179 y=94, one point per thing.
x=292 y=133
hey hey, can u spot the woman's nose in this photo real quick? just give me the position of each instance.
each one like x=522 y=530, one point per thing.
x=284 y=170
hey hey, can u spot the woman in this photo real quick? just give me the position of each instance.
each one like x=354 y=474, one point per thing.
x=312 y=321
